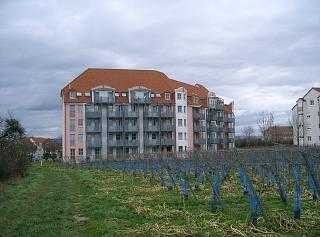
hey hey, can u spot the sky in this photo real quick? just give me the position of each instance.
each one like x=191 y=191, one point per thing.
x=262 y=55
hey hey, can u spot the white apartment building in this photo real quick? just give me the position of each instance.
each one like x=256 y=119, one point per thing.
x=305 y=119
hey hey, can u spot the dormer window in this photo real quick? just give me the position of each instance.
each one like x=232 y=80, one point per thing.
x=196 y=99
x=72 y=94
x=167 y=96
x=158 y=95
x=79 y=94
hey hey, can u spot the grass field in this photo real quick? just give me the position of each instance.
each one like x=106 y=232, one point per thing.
x=56 y=201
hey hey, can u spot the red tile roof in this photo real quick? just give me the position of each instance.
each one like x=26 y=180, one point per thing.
x=123 y=79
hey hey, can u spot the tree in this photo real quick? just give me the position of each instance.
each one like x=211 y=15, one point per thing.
x=11 y=129
x=265 y=120
x=248 y=132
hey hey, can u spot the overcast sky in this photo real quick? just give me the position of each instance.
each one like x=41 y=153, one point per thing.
x=261 y=54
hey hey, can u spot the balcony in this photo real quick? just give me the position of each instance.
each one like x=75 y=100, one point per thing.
x=199 y=116
x=199 y=128
x=151 y=114
x=200 y=141
x=104 y=100
x=131 y=128
x=215 y=128
x=141 y=100
x=115 y=114
x=131 y=114
x=131 y=142
x=152 y=142
x=115 y=128
x=230 y=130
x=113 y=142
x=93 y=114
x=93 y=143
x=212 y=116
x=167 y=127
x=151 y=128
x=167 y=113
x=167 y=142
x=95 y=128
x=217 y=106
x=213 y=141
x=229 y=119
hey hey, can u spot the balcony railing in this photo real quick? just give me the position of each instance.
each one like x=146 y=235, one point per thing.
x=167 y=127
x=131 y=142
x=151 y=114
x=130 y=128
x=199 y=128
x=93 y=129
x=93 y=114
x=115 y=114
x=213 y=141
x=197 y=116
x=217 y=106
x=140 y=100
x=115 y=142
x=116 y=128
x=229 y=119
x=200 y=141
x=167 y=113
x=167 y=142
x=215 y=128
x=131 y=114
x=104 y=100
x=151 y=128
x=152 y=142
x=93 y=143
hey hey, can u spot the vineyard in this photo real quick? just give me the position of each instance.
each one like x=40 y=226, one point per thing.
x=288 y=172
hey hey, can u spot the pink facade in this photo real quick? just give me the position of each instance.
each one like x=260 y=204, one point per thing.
x=190 y=127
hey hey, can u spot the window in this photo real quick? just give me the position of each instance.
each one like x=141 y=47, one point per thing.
x=134 y=136
x=72 y=111
x=87 y=93
x=179 y=97
x=118 y=136
x=158 y=95
x=154 y=136
x=185 y=136
x=72 y=125
x=184 y=96
x=80 y=152
x=80 y=138
x=179 y=109
x=308 y=116
x=180 y=148
x=184 y=109
x=180 y=136
x=185 y=122
x=196 y=99
x=167 y=96
x=72 y=94
x=80 y=110
x=72 y=140
x=179 y=122
x=309 y=138
x=72 y=153
x=311 y=102
x=80 y=122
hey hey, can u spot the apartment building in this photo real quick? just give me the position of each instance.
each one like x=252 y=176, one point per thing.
x=110 y=112
x=305 y=119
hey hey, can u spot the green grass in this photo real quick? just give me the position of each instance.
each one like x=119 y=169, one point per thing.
x=56 y=201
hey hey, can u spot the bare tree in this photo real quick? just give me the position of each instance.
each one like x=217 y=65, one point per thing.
x=247 y=132
x=265 y=120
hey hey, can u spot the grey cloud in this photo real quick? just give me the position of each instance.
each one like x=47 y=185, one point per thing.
x=263 y=55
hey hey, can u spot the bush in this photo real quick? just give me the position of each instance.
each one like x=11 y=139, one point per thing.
x=14 y=150
x=14 y=159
